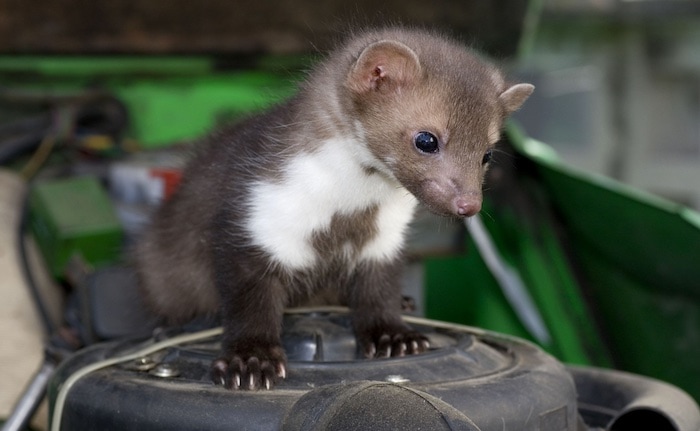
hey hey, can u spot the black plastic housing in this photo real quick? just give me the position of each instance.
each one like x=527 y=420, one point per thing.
x=469 y=380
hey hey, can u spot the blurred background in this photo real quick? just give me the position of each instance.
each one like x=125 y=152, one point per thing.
x=618 y=90
x=617 y=79
x=591 y=203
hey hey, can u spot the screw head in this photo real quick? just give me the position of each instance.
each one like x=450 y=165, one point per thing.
x=145 y=363
x=165 y=370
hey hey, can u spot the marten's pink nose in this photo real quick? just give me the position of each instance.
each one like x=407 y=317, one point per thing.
x=467 y=206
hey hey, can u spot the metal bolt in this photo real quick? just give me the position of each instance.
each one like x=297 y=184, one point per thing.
x=165 y=370
x=141 y=364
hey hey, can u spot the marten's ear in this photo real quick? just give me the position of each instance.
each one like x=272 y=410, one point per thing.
x=383 y=66
x=514 y=97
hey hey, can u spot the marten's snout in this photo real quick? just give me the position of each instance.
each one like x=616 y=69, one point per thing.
x=466 y=206
x=445 y=196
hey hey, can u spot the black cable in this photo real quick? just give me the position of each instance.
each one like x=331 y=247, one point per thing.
x=26 y=124
x=14 y=147
x=98 y=114
x=9 y=150
x=44 y=315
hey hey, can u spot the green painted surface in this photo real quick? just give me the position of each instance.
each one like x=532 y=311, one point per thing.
x=74 y=218
x=166 y=111
x=614 y=272
x=639 y=259
x=169 y=99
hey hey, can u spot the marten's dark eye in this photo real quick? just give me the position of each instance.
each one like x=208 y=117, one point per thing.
x=426 y=142
x=487 y=157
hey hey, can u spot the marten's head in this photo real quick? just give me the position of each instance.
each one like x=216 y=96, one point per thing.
x=430 y=111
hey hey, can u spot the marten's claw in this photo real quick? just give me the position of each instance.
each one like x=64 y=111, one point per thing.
x=250 y=371
x=401 y=344
x=393 y=343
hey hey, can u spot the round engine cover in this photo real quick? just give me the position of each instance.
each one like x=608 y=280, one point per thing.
x=470 y=379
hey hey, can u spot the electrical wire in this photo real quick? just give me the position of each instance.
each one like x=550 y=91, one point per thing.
x=62 y=128
x=58 y=125
x=25 y=125
x=68 y=384
x=11 y=148
x=39 y=157
x=42 y=134
x=30 y=280
x=63 y=121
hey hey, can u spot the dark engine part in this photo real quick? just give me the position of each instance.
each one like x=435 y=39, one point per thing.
x=470 y=380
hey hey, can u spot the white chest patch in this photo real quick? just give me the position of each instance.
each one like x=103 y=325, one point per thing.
x=315 y=186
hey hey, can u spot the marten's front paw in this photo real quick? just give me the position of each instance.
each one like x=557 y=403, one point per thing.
x=255 y=367
x=387 y=342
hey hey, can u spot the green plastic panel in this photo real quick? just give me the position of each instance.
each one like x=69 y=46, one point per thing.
x=170 y=110
x=74 y=218
x=169 y=99
x=639 y=257
x=613 y=271
x=462 y=289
